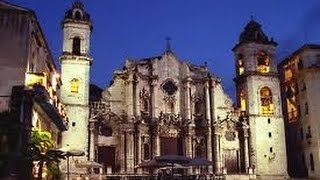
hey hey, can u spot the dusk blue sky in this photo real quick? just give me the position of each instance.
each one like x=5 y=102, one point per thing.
x=201 y=30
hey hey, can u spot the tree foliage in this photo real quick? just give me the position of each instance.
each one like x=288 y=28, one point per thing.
x=41 y=150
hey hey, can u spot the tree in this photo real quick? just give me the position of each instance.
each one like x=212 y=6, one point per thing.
x=41 y=150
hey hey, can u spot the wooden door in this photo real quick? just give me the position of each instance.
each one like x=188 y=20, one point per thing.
x=106 y=156
x=231 y=158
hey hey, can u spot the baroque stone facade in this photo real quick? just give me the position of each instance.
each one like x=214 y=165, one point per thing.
x=163 y=105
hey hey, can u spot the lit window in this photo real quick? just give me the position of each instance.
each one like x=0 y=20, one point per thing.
x=74 y=85
x=288 y=74
x=243 y=104
x=267 y=106
x=240 y=64
x=263 y=61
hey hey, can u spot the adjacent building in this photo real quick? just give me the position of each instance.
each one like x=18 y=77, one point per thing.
x=300 y=80
x=29 y=87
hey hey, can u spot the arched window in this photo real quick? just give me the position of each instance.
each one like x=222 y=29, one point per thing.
x=242 y=98
x=267 y=106
x=74 y=85
x=200 y=149
x=197 y=107
x=76 y=46
x=240 y=64
x=311 y=162
x=263 y=62
x=145 y=105
x=146 y=153
x=77 y=15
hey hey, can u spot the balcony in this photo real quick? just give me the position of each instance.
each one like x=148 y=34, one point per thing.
x=55 y=111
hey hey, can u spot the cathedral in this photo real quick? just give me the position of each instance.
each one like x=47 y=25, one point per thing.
x=163 y=105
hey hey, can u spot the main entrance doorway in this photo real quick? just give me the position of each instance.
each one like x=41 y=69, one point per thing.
x=106 y=156
x=171 y=145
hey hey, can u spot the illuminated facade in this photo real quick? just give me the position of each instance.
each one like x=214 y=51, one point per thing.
x=163 y=105
x=258 y=97
x=300 y=88
x=29 y=86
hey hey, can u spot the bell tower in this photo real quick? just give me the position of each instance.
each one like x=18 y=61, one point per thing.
x=258 y=97
x=75 y=74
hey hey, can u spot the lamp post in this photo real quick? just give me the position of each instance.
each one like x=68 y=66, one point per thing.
x=72 y=153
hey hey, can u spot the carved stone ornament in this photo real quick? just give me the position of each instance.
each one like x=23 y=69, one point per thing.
x=169 y=99
x=230 y=135
x=144 y=94
x=171 y=125
x=169 y=87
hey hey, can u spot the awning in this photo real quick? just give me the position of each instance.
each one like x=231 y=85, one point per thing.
x=89 y=164
x=50 y=110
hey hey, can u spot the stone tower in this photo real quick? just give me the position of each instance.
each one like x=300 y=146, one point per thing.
x=258 y=97
x=75 y=74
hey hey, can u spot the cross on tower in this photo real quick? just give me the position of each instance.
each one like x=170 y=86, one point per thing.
x=168 y=46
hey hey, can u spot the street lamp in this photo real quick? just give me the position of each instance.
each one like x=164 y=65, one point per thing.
x=69 y=153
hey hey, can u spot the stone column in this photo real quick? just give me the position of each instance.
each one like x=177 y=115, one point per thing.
x=212 y=92
x=155 y=112
x=208 y=118
x=130 y=97
x=251 y=149
x=92 y=139
x=217 y=153
x=207 y=95
x=137 y=101
x=130 y=152
x=246 y=149
x=122 y=153
x=139 y=148
x=156 y=144
x=154 y=104
x=188 y=142
x=188 y=138
x=188 y=99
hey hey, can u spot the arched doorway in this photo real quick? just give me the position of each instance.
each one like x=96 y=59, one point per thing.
x=106 y=156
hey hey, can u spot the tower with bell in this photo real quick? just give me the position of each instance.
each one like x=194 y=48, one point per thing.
x=75 y=74
x=258 y=97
